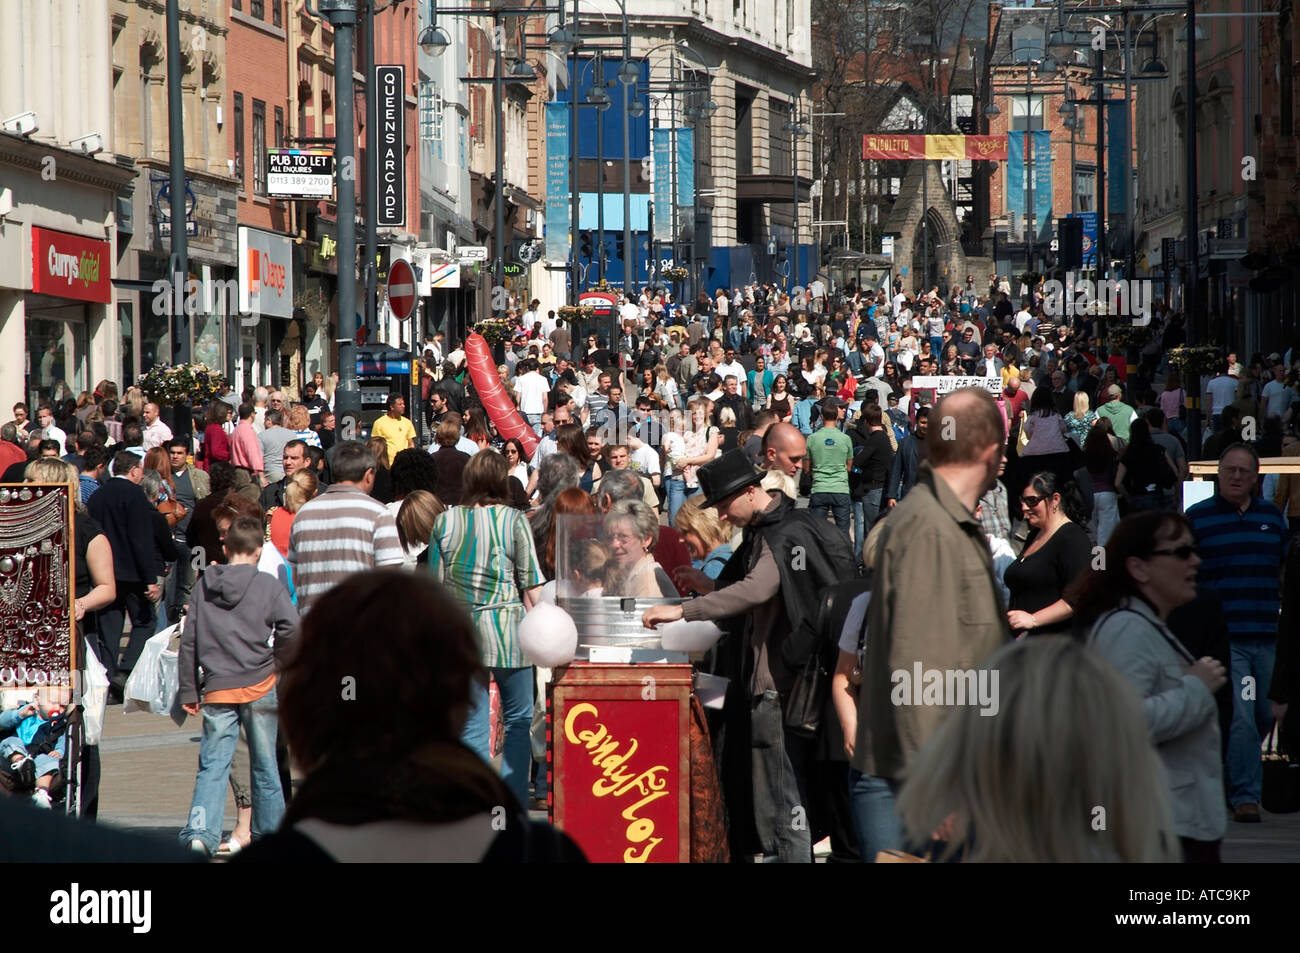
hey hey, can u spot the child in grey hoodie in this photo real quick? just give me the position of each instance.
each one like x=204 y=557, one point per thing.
x=240 y=619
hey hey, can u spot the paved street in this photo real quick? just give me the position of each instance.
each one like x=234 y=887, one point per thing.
x=149 y=766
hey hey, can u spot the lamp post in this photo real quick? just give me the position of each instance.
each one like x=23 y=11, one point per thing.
x=180 y=262
x=797 y=131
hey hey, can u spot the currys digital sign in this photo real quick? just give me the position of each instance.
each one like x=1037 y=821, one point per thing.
x=70 y=266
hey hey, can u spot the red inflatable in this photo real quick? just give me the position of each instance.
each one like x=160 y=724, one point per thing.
x=487 y=383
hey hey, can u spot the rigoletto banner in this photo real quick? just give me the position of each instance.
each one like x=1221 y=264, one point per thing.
x=934 y=147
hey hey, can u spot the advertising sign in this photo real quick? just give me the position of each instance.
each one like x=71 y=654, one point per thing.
x=558 y=193
x=938 y=386
x=662 y=184
x=69 y=266
x=390 y=163
x=621 y=758
x=300 y=173
x=933 y=147
x=265 y=273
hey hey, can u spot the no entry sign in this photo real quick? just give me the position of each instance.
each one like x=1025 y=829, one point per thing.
x=401 y=289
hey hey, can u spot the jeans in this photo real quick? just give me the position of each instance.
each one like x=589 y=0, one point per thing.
x=780 y=816
x=221 y=725
x=874 y=816
x=676 y=497
x=516 y=688
x=1251 y=719
x=838 y=504
x=534 y=421
x=1105 y=516
x=936 y=347
x=865 y=513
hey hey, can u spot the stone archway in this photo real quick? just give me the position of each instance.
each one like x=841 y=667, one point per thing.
x=947 y=260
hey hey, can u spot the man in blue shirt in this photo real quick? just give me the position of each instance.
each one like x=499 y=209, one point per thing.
x=1241 y=539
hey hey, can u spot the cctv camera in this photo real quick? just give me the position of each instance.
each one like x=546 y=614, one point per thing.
x=24 y=124
x=90 y=145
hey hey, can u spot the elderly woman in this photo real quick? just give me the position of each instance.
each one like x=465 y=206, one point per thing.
x=631 y=530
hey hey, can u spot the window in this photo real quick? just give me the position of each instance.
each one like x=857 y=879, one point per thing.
x=239 y=140
x=430 y=111
x=279 y=127
x=256 y=8
x=778 y=137
x=744 y=132
x=146 y=117
x=1026 y=113
x=276 y=17
x=259 y=147
x=237 y=4
x=1085 y=187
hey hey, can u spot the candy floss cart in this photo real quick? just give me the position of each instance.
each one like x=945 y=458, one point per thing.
x=38 y=644
x=630 y=767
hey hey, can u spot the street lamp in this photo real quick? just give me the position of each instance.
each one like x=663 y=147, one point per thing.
x=433 y=41
x=797 y=131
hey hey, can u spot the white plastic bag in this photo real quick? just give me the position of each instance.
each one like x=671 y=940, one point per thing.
x=154 y=683
x=94 y=698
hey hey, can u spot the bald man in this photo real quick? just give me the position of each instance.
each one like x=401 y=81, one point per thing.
x=781 y=454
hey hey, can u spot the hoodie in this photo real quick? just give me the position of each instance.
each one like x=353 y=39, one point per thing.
x=236 y=614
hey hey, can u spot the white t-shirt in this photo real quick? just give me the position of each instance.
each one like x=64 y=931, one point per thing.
x=1022 y=318
x=645 y=460
x=1224 y=391
x=629 y=312
x=900 y=300
x=736 y=370
x=531 y=389
x=1279 y=397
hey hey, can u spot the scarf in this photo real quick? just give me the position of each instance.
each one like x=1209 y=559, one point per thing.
x=437 y=783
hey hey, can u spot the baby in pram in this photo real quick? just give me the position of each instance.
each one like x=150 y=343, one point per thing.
x=33 y=744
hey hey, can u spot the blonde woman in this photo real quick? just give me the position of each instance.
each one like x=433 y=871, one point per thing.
x=300 y=424
x=299 y=488
x=695 y=445
x=708 y=539
x=909 y=346
x=1079 y=421
x=666 y=388
x=415 y=518
x=1094 y=750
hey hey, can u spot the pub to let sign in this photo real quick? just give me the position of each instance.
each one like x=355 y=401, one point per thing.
x=300 y=173
x=390 y=165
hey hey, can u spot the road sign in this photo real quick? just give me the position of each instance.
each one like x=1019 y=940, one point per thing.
x=472 y=252
x=401 y=289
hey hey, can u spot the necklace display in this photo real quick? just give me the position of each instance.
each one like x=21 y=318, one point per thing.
x=35 y=619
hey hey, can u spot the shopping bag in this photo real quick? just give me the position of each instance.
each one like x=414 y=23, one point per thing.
x=94 y=698
x=154 y=683
x=1281 y=789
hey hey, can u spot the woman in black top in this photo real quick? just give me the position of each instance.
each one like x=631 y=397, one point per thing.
x=1144 y=470
x=1057 y=551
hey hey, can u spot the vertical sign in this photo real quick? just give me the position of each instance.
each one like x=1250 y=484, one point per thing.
x=558 y=193
x=663 y=184
x=1043 y=184
x=1116 y=175
x=1015 y=191
x=686 y=178
x=390 y=164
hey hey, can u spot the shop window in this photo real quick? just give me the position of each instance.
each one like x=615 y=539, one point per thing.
x=56 y=355
x=126 y=326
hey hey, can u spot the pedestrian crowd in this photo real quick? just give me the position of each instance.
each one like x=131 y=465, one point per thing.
x=785 y=467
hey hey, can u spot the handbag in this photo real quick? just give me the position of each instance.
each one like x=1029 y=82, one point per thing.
x=1281 y=788
x=173 y=510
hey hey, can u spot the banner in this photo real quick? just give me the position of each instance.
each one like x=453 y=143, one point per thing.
x=558 y=193
x=390 y=164
x=685 y=177
x=1089 y=237
x=1018 y=161
x=934 y=147
x=662 y=185
x=1116 y=142
x=1043 y=184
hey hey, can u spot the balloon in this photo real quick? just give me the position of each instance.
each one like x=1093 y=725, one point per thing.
x=500 y=408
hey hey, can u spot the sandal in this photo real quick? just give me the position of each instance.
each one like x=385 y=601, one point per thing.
x=230 y=847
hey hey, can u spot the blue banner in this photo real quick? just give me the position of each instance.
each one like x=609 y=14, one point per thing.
x=685 y=170
x=1015 y=191
x=1089 y=237
x=663 y=183
x=558 y=193
x=1043 y=184
x=1116 y=143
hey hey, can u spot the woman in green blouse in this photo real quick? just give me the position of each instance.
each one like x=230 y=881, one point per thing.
x=483 y=552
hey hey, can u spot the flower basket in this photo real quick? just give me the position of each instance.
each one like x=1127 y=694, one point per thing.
x=495 y=331
x=676 y=274
x=1129 y=335
x=571 y=311
x=169 y=386
x=1196 y=361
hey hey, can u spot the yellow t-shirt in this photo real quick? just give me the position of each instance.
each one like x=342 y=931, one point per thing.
x=396 y=433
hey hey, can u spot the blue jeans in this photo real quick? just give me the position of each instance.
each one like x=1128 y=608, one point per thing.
x=837 y=504
x=936 y=347
x=216 y=752
x=875 y=818
x=1251 y=719
x=516 y=688
x=534 y=421
x=865 y=513
x=676 y=497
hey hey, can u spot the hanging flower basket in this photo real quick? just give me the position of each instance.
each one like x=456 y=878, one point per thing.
x=676 y=274
x=1196 y=361
x=495 y=331
x=1129 y=335
x=168 y=385
x=570 y=311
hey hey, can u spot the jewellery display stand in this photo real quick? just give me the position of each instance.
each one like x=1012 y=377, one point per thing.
x=38 y=631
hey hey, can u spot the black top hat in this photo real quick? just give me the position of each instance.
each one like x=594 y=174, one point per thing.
x=726 y=476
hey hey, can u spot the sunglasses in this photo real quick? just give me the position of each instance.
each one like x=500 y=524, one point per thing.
x=1030 y=501
x=1178 y=552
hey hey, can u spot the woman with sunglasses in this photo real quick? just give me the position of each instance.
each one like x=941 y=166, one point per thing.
x=514 y=453
x=1150 y=570
x=1057 y=551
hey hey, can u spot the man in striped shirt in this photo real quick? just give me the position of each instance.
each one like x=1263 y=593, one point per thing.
x=1242 y=541
x=343 y=530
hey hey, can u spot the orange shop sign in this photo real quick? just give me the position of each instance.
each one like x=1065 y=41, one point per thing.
x=69 y=266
